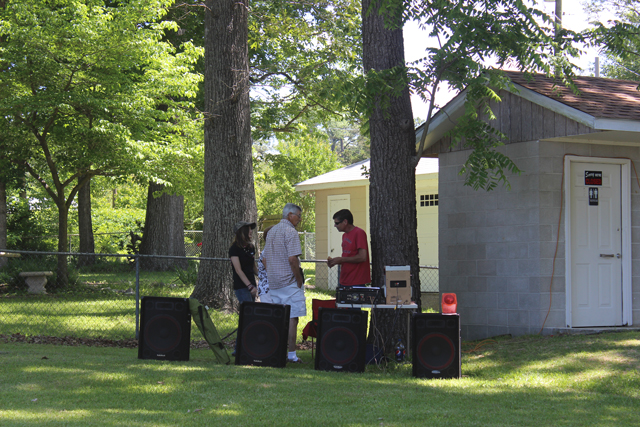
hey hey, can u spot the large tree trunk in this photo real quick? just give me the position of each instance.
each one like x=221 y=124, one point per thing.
x=3 y=221
x=163 y=231
x=392 y=199
x=229 y=194
x=85 y=226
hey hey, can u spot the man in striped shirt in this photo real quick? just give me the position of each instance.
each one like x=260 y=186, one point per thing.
x=282 y=255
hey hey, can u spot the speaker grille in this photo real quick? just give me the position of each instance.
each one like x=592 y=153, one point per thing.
x=165 y=329
x=436 y=345
x=162 y=333
x=339 y=346
x=341 y=340
x=260 y=339
x=436 y=351
x=263 y=334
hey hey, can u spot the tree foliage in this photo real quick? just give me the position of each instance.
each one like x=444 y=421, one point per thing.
x=295 y=161
x=618 y=39
x=88 y=88
x=300 y=54
x=473 y=41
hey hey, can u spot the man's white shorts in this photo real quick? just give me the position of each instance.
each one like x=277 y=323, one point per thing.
x=266 y=298
x=291 y=295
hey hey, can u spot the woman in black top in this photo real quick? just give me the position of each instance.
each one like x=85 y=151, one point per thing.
x=242 y=255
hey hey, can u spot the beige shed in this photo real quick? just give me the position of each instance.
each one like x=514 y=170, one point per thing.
x=348 y=188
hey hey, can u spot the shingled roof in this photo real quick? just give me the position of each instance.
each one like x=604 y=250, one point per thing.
x=599 y=97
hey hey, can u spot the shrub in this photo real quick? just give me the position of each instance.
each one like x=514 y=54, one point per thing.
x=189 y=275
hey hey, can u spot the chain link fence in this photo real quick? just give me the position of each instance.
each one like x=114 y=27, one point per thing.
x=101 y=298
x=192 y=242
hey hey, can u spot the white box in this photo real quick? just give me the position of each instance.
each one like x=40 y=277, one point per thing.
x=398 y=284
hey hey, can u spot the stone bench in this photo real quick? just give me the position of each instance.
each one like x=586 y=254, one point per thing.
x=9 y=255
x=36 y=280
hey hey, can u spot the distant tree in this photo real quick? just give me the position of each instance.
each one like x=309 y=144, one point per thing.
x=300 y=54
x=9 y=178
x=85 y=225
x=163 y=230
x=347 y=140
x=277 y=173
x=619 y=40
x=3 y=220
x=83 y=79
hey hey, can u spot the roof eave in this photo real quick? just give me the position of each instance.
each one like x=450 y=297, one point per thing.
x=443 y=121
x=331 y=185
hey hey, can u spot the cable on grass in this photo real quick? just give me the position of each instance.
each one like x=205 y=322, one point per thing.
x=479 y=345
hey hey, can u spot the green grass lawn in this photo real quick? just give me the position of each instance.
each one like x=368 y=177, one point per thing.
x=104 y=314
x=525 y=381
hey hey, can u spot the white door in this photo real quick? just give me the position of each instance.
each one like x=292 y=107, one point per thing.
x=335 y=203
x=596 y=245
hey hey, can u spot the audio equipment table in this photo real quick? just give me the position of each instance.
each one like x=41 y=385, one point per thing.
x=403 y=307
x=411 y=307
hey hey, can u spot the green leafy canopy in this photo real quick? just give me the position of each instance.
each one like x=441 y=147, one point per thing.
x=472 y=41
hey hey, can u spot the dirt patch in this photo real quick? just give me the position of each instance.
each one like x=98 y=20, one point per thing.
x=103 y=342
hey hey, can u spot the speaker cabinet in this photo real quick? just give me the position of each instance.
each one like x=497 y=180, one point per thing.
x=436 y=345
x=341 y=340
x=165 y=329
x=263 y=334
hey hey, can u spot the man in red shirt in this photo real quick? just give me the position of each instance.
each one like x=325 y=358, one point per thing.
x=355 y=268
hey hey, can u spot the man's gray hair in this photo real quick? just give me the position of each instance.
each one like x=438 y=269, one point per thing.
x=290 y=208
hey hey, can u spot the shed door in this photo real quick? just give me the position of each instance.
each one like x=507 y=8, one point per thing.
x=335 y=203
x=596 y=245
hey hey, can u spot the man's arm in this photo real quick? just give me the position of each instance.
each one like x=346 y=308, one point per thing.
x=361 y=256
x=294 y=263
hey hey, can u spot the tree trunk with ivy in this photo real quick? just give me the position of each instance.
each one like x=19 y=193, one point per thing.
x=392 y=199
x=229 y=194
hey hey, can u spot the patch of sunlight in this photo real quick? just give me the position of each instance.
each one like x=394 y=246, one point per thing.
x=53 y=369
x=225 y=410
x=592 y=374
x=527 y=380
x=40 y=417
x=451 y=383
x=633 y=342
x=154 y=388
x=111 y=376
x=30 y=387
x=137 y=411
x=166 y=366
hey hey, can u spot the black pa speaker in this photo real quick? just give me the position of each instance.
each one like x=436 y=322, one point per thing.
x=342 y=337
x=165 y=329
x=436 y=345
x=263 y=334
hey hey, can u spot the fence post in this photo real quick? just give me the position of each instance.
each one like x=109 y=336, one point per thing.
x=137 y=295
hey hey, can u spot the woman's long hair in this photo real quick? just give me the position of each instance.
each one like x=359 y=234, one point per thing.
x=242 y=237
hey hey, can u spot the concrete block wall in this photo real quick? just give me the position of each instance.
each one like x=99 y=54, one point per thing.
x=490 y=246
x=503 y=252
